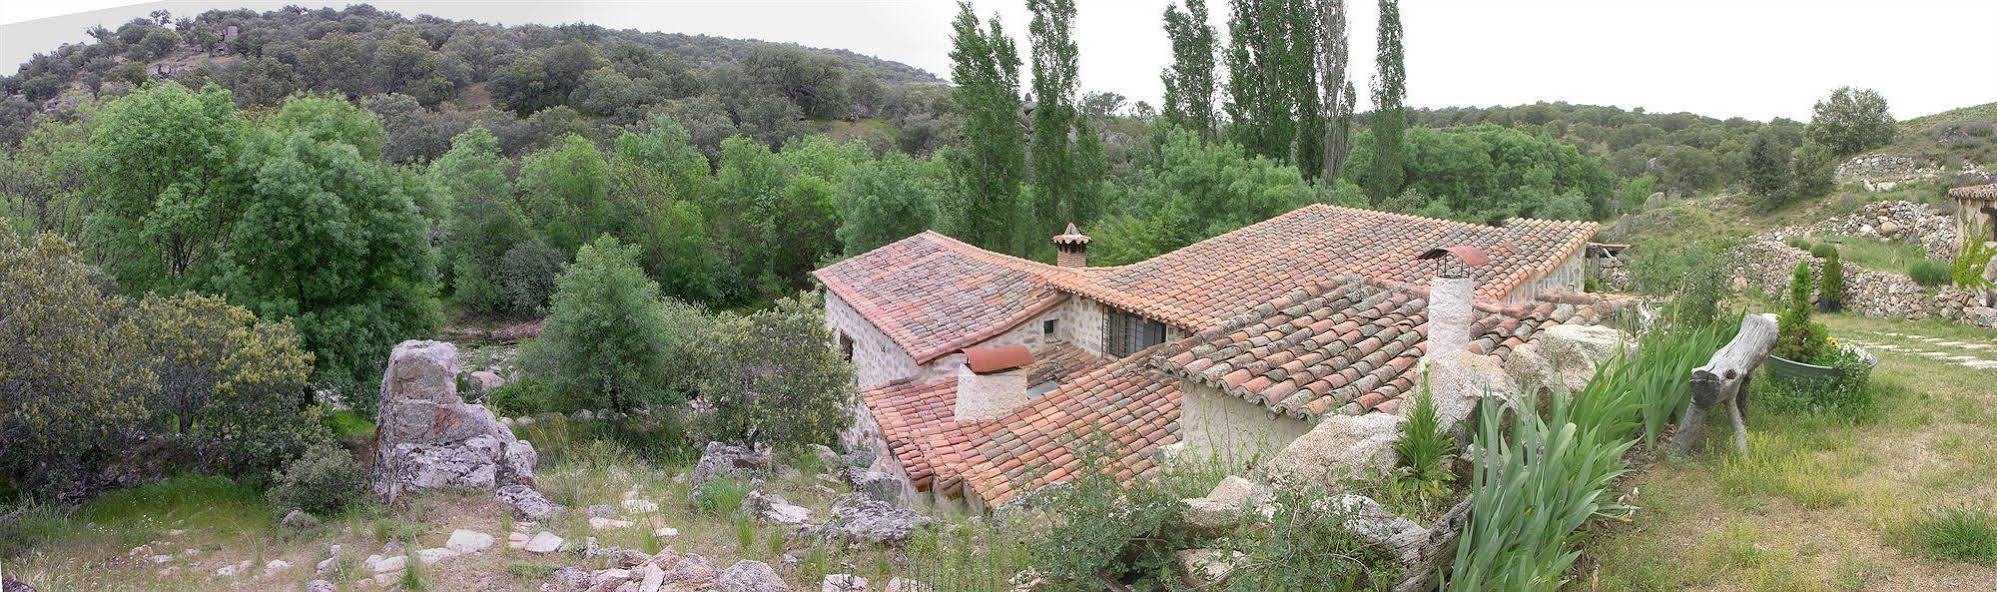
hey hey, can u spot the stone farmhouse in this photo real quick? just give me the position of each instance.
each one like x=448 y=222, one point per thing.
x=985 y=376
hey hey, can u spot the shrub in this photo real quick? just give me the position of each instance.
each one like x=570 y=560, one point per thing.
x=1822 y=250
x=1849 y=396
x=608 y=339
x=1102 y=530
x=1799 y=242
x=324 y=479
x=1800 y=338
x=527 y=275
x=775 y=378
x=1306 y=546
x=1967 y=270
x=526 y=396
x=1830 y=289
x=1959 y=534
x=1424 y=449
x=1929 y=273
x=231 y=386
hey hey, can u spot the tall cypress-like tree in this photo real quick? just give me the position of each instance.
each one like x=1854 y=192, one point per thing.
x=1189 y=82
x=1272 y=80
x=1336 y=91
x=1053 y=166
x=1298 y=77
x=1389 y=117
x=988 y=170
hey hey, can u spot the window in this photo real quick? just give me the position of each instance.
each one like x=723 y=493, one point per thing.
x=846 y=346
x=1047 y=327
x=1126 y=334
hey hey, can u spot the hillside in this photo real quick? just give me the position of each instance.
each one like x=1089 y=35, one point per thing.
x=1965 y=134
x=432 y=78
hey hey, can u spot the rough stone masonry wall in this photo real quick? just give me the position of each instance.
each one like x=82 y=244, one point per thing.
x=877 y=359
x=1903 y=221
x=1767 y=264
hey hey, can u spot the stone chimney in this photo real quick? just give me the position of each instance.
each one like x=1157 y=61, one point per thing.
x=992 y=382
x=1071 y=248
x=1456 y=378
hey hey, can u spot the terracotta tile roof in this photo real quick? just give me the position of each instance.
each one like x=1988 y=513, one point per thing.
x=1204 y=284
x=1982 y=192
x=934 y=295
x=911 y=413
x=1349 y=346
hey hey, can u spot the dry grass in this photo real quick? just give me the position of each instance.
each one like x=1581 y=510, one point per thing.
x=1819 y=503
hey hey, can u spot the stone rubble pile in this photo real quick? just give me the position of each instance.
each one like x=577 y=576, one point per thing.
x=1767 y=265
x=1899 y=220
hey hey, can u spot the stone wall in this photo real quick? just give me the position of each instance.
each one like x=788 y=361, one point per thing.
x=1081 y=323
x=877 y=359
x=1570 y=276
x=1767 y=264
x=1902 y=221
x=1215 y=424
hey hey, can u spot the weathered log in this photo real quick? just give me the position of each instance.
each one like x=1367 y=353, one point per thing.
x=1724 y=381
x=1432 y=555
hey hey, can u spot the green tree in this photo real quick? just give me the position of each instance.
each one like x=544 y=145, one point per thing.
x=1814 y=174
x=331 y=239
x=989 y=167
x=774 y=377
x=1189 y=81
x=1191 y=190
x=885 y=201
x=225 y=382
x=1334 y=57
x=609 y=339
x=1830 y=293
x=1389 y=118
x=482 y=224
x=1767 y=166
x=564 y=192
x=659 y=181
x=1850 y=121
x=163 y=171
x=1057 y=184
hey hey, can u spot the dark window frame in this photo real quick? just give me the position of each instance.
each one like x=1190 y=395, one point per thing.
x=1125 y=334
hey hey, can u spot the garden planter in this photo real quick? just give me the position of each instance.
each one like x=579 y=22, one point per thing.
x=1787 y=370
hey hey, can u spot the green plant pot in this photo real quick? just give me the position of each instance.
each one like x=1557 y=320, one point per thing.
x=1791 y=371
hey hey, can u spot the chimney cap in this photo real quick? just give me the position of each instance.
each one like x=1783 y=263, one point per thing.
x=1071 y=237
x=1471 y=256
x=997 y=358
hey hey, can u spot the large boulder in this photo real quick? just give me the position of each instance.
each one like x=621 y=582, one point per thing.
x=429 y=437
x=857 y=518
x=774 y=508
x=1564 y=357
x=1340 y=448
x=750 y=576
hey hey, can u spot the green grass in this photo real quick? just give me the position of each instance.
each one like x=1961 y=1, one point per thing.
x=1889 y=256
x=1958 y=534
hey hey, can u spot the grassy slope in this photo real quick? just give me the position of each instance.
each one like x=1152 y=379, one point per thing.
x=1820 y=503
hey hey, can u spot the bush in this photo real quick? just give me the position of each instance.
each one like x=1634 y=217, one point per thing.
x=527 y=275
x=526 y=396
x=1959 y=534
x=1849 y=396
x=1307 y=547
x=1822 y=250
x=1102 y=530
x=718 y=497
x=1929 y=273
x=1424 y=448
x=608 y=338
x=324 y=479
x=1799 y=242
x=775 y=378
x=1967 y=270
x=1800 y=338
x=1830 y=289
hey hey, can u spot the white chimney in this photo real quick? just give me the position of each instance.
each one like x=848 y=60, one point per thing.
x=1449 y=308
x=1448 y=367
x=992 y=382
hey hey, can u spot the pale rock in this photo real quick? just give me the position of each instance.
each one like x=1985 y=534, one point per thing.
x=608 y=523
x=276 y=565
x=161 y=558
x=750 y=576
x=773 y=508
x=719 y=460
x=654 y=577
x=435 y=554
x=391 y=564
x=428 y=437
x=1341 y=447
x=326 y=565
x=1227 y=505
x=233 y=570
x=543 y=543
x=527 y=502
x=858 y=518
x=842 y=583
x=665 y=531
x=320 y=586
x=1206 y=568
x=600 y=511
x=639 y=506
x=468 y=541
x=906 y=585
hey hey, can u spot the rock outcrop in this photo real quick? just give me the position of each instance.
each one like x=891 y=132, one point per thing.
x=719 y=461
x=428 y=437
x=857 y=518
x=1341 y=447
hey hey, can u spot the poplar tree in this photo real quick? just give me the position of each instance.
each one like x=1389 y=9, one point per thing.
x=1056 y=184
x=1336 y=91
x=988 y=170
x=1389 y=117
x=1272 y=80
x=1189 y=82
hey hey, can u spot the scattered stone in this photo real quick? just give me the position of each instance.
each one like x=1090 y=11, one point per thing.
x=638 y=506
x=567 y=578
x=276 y=565
x=653 y=578
x=773 y=508
x=161 y=558
x=904 y=585
x=164 y=572
x=858 y=518
x=326 y=565
x=750 y=576
x=665 y=531
x=722 y=460
x=13 y=585
x=298 y=519
x=435 y=554
x=826 y=456
x=233 y=570
x=842 y=583
x=320 y=586
x=601 y=511
x=528 y=502
x=427 y=436
x=468 y=541
x=516 y=540
x=1206 y=568
x=608 y=523
x=543 y=543
x=391 y=563
x=483 y=382
x=878 y=485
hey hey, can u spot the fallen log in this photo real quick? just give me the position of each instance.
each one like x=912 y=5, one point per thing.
x=1724 y=381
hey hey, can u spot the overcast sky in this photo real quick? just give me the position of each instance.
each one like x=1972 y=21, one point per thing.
x=1750 y=58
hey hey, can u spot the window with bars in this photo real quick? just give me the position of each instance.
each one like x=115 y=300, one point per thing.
x=1126 y=334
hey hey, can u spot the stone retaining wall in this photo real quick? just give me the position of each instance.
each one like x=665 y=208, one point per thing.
x=1767 y=265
